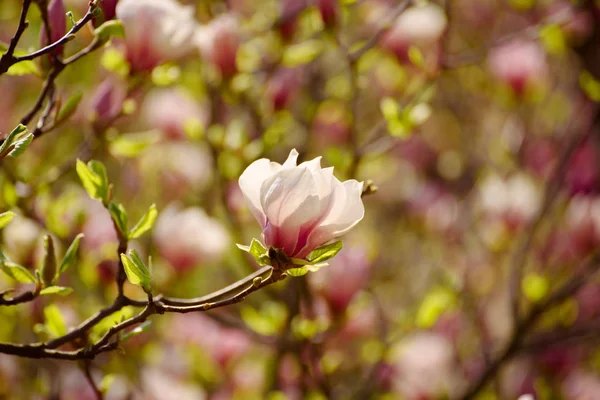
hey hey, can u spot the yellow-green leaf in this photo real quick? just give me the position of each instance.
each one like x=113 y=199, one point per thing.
x=144 y=224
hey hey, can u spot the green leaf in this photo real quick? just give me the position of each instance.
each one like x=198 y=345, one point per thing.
x=21 y=145
x=139 y=329
x=258 y=251
x=437 y=302
x=132 y=144
x=16 y=272
x=119 y=215
x=69 y=256
x=553 y=39
x=5 y=218
x=136 y=270
x=55 y=323
x=114 y=60
x=94 y=179
x=305 y=269
x=302 y=53
x=416 y=57
x=144 y=224
x=109 y=29
x=11 y=138
x=24 y=68
x=48 y=270
x=535 y=287
x=60 y=290
x=106 y=382
x=325 y=252
x=69 y=106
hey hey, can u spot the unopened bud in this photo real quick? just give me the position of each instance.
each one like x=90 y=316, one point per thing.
x=48 y=270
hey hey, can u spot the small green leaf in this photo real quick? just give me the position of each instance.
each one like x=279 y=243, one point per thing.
x=302 y=53
x=26 y=67
x=5 y=218
x=69 y=256
x=435 y=303
x=94 y=179
x=144 y=224
x=132 y=144
x=535 y=287
x=109 y=29
x=11 y=138
x=325 y=252
x=136 y=270
x=55 y=323
x=119 y=215
x=60 y=290
x=106 y=382
x=17 y=272
x=553 y=39
x=416 y=57
x=69 y=106
x=139 y=329
x=258 y=251
x=48 y=270
x=21 y=145
x=305 y=269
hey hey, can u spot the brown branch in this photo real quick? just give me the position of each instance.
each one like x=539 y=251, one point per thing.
x=22 y=298
x=523 y=327
x=85 y=368
x=8 y=58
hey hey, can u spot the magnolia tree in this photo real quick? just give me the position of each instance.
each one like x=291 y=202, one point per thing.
x=441 y=156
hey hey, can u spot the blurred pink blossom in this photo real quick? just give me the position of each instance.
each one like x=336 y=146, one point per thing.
x=106 y=104
x=171 y=109
x=218 y=42
x=425 y=366
x=188 y=237
x=422 y=27
x=156 y=31
x=346 y=275
x=519 y=64
x=581 y=385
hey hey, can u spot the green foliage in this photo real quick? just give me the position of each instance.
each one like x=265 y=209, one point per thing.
x=258 y=251
x=535 y=286
x=109 y=29
x=132 y=144
x=590 y=86
x=145 y=223
x=325 y=252
x=60 y=290
x=268 y=320
x=16 y=271
x=436 y=303
x=5 y=218
x=302 y=53
x=69 y=257
x=7 y=145
x=136 y=331
x=119 y=216
x=553 y=39
x=94 y=179
x=137 y=272
x=48 y=270
x=55 y=323
x=70 y=106
x=27 y=67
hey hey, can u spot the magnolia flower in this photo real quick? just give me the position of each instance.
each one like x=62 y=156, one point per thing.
x=156 y=31
x=300 y=207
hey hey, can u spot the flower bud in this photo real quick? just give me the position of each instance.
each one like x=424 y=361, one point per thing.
x=282 y=87
x=300 y=207
x=156 y=31
x=329 y=11
x=218 y=42
x=187 y=237
x=58 y=26
x=48 y=269
x=106 y=104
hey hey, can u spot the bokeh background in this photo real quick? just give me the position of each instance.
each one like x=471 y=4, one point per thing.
x=475 y=119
